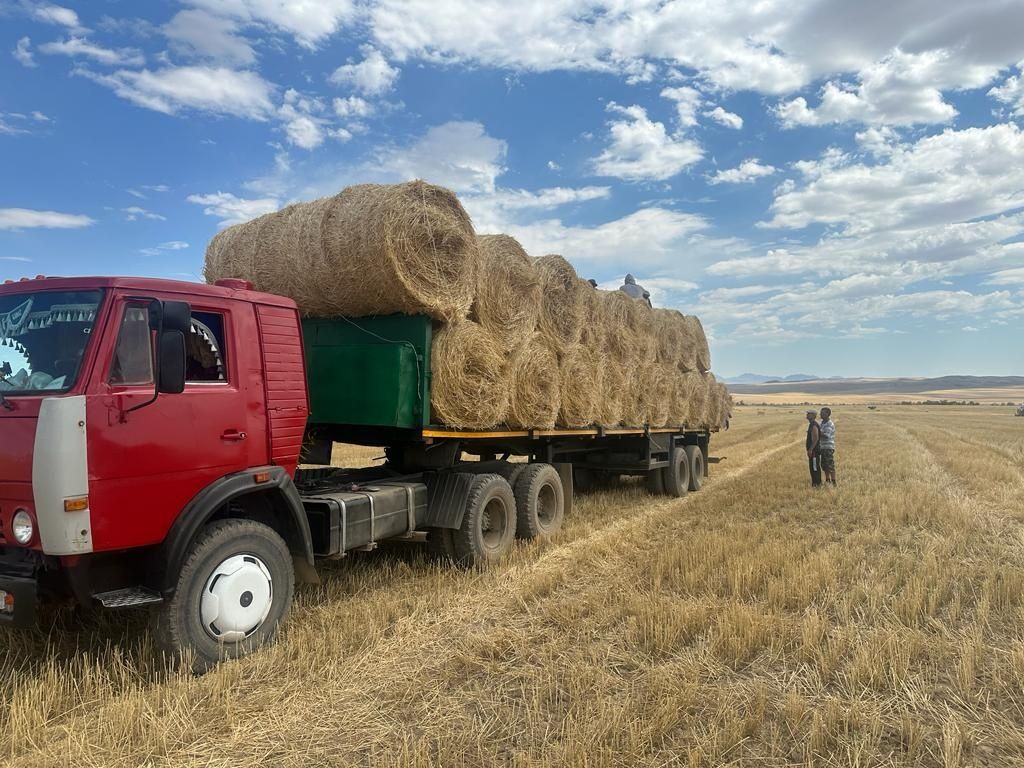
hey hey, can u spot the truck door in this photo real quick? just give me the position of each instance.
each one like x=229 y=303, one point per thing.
x=145 y=465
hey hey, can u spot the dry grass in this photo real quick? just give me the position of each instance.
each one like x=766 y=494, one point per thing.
x=755 y=623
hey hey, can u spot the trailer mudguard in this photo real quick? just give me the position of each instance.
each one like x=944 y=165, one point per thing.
x=279 y=490
x=447 y=496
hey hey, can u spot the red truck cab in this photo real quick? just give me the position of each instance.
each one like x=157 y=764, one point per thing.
x=132 y=412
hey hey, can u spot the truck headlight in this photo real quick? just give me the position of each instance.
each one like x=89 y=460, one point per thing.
x=21 y=526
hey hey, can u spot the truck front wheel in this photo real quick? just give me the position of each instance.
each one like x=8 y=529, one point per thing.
x=489 y=523
x=233 y=590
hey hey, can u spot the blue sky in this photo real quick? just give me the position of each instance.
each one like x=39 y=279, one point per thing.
x=833 y=188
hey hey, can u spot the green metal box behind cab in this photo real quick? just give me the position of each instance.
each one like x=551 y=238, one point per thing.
x=369 y=371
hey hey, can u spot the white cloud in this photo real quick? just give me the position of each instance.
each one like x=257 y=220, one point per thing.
x=22 y=52
x=172 y=245
x=372 y=76
x=302 y=122
x=1013 y=276
x=640 y=149
x=958 y=175
x=217 y=90
x=80 y=47
x=352 y=106
x=1011 y=92
x=56 y=14
x=649 y=238
x=746 y=172
x=728 y=119
x=134 y=213
x=15 y=258
x=309 y=21
x=553 y=166
x=26 y=218
x=195 y=32
x=234 y=210
x=460 y=155
x=688 y=101
x=900 y=89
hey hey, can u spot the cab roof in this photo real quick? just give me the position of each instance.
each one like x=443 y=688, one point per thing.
x=182 y=288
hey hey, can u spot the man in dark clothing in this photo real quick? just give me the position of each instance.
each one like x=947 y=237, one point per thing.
x=813 y=457
x=631 y=289
x=827 y=445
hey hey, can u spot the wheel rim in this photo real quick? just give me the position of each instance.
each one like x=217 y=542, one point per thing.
x=236 y=598
x=493 y=524
x=547 y=506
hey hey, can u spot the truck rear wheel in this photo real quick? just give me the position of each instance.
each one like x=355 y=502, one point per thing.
x=234 y=589
x=676 y=476
x=695 y=457
x=540 y=501
x=489 y=523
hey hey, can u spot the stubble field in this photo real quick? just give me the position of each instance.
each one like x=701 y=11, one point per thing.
x=756 y=622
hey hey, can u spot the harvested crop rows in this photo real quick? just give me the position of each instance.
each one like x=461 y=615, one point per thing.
x=756 y=622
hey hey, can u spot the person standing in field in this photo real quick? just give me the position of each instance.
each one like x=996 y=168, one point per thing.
x=827 y=445
x=813 y=440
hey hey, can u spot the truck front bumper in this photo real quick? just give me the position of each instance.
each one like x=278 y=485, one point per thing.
x=19 y=587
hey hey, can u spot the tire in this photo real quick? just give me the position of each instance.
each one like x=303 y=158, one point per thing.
x=695 y=457
x=230 y=563
x=676 y=476
x=489 y=524
x=655 y=482
x=540 y=502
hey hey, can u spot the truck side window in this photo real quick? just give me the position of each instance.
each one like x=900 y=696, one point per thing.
x=206 y=361
x=133 y=356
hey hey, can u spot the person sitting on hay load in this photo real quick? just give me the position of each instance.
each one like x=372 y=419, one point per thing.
x=634 y=291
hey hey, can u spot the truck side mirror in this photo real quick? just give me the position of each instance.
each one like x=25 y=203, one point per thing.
x=171 y=353
x=177 y=316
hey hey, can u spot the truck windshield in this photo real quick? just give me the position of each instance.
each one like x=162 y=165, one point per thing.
x=43 y=336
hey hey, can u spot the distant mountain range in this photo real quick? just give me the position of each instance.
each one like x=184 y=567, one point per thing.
x=757 y=378
x=753 y=384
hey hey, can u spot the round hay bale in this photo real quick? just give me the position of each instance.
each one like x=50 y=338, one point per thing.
x=698 y=390
x=508 y=292
x=646 y=333
x=636 y=405
x=534 y=386
x=670 y=336
x=372 y=249
x=580 y=369
x=594 y=330
x=687 y=360
x=701 y=352
x=682 y=386
x=613 y=395
x=621 y=326
x=561 y=308
x=470 y=384
x=661 y=386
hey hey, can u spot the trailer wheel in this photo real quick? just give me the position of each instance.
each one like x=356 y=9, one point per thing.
x=489 y=524
x=540 y=501
x=676 y=476
x=655 y=482
x=233 y=590
x=695 y=458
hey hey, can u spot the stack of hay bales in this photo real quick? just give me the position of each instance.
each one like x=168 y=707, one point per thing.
x=519 y=341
